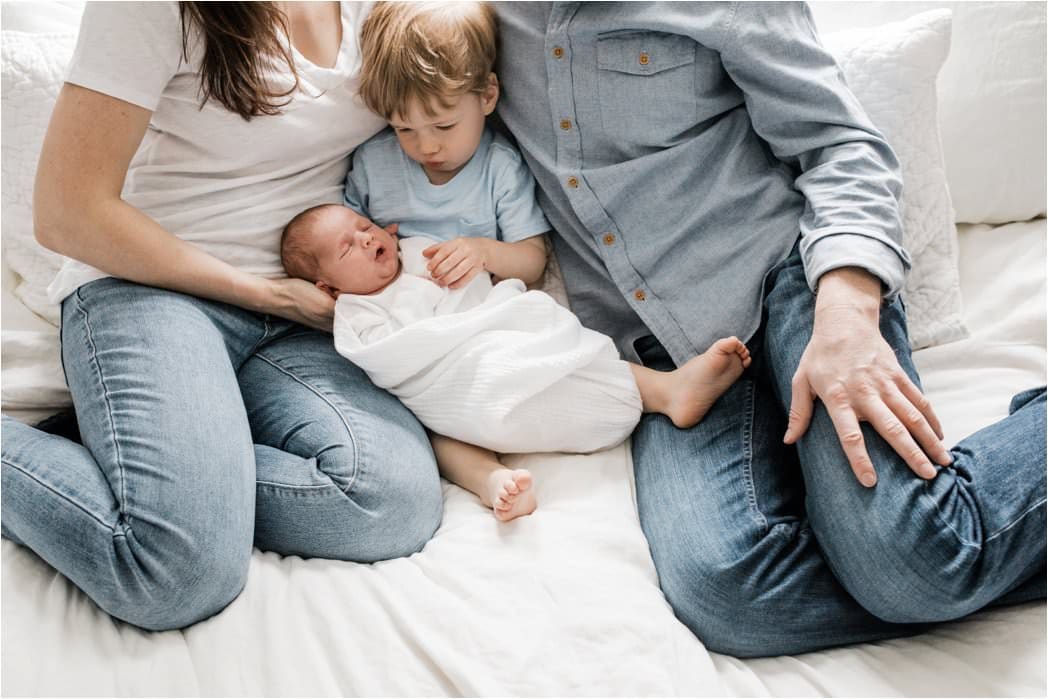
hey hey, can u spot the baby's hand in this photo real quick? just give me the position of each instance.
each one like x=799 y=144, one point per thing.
x=454 y=263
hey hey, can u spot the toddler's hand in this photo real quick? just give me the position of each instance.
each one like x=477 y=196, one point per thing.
x=454 y=263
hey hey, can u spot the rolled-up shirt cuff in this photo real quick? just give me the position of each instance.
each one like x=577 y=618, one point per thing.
x=885 y=260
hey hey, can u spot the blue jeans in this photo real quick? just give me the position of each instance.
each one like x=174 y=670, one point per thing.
x=207 y=427
x=766 y=549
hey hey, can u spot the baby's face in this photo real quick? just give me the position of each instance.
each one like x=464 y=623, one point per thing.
x=355 y=255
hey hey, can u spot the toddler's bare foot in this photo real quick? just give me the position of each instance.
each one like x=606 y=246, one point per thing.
x=511 y=493
x=698 y=384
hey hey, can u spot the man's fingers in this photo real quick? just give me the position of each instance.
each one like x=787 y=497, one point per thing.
x=801 y=406
x=854 y=444
x=917 y=425
x=898 y=437
x=919 y=401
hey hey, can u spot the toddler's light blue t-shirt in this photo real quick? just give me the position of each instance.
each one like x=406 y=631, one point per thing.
x=493 y=196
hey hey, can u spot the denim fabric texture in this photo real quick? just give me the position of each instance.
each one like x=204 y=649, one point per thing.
x=680 y=147
x=207 y=429
x=702 y=165
x=769 y=549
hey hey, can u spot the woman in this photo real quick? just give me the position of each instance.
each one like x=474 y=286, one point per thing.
x=213 y=407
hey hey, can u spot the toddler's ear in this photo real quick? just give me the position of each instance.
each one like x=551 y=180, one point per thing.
x=490 y=97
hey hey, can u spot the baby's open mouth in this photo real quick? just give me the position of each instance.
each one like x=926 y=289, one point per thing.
x=380 y=252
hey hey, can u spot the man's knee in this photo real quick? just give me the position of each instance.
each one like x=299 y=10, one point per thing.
x=727 y=606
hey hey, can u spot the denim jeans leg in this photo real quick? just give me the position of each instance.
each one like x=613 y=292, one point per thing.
x=911 y=550
x=152 y=518
x=344 y=470
x=722 y=507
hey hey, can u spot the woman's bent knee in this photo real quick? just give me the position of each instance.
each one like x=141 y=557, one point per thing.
x=183 y=593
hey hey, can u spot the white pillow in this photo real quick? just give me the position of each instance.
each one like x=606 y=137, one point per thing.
x=33 y=69
x=991 y=101
x=892 y=70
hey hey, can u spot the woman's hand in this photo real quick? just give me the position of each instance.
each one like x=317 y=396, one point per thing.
x=454 y=263
x=302 y=302
x=852 y=369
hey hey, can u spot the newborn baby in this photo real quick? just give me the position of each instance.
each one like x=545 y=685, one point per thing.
x=385 y=293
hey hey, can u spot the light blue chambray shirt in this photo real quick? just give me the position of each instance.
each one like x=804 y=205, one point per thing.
x=681 y=148
x=493 y=196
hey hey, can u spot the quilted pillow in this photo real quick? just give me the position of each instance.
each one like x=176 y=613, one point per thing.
x=991 y=101
x=892 y=70
x=33 y=70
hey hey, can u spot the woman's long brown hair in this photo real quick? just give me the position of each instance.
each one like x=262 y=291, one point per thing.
x=240 y=41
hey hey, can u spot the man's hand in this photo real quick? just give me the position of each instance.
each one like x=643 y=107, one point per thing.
x=454 y=263
x=852 y=369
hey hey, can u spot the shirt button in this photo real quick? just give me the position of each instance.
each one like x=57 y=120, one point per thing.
x=558 y=52
x=639 y=295
x=644 y=59
x=609 y=238
x=565 y=124
x=573 y=182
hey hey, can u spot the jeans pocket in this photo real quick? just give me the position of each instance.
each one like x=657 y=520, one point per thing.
x=646 y=85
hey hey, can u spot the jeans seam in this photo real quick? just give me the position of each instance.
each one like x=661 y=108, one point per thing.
x=747 y=446
x=109 y=528
x=292 y=486
x=109 y=407
x=1015 y=521
x=345 y=423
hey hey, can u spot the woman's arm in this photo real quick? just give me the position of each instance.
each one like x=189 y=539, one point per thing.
x=78 y=212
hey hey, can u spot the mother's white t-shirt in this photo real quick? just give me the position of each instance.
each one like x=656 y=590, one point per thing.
x=205 y=174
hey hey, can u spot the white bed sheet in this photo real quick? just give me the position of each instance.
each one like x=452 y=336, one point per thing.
x=563 y=602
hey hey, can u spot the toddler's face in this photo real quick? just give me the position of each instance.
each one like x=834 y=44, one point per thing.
x=443 y=142
x=355 y=255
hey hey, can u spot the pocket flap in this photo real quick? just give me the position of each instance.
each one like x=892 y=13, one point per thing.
x=644 y=53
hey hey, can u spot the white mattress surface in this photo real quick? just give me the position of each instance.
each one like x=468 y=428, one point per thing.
x=563 y=602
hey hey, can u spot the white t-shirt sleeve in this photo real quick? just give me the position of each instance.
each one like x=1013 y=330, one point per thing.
x=517 y=212
x=356 y=194
x=128 y=50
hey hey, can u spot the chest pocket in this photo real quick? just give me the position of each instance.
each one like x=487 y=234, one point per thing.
x=646 y=85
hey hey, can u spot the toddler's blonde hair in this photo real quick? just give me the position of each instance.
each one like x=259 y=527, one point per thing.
x=426 y=51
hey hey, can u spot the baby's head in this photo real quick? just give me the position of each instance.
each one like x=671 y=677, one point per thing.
x=340 y=251
x=427 y=70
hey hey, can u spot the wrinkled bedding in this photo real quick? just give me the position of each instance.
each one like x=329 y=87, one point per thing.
x=562 y=602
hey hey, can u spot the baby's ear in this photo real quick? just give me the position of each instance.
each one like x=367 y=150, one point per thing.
x=329 y=290
x=392 y=228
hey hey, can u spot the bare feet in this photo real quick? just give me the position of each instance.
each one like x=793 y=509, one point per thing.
x=697 y=385
x=511 y=494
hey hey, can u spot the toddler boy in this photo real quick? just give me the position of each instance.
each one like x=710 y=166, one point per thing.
x=439 y=172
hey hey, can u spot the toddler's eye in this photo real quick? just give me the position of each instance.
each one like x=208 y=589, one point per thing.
x=446 y=127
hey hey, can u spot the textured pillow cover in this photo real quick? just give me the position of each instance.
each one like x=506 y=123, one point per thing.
x=892 y=70
x=33 y=70
x=992 y=91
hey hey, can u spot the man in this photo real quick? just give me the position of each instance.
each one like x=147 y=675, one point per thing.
x=709 y=173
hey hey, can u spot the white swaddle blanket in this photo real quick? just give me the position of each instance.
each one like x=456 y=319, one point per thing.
x=501 y=367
